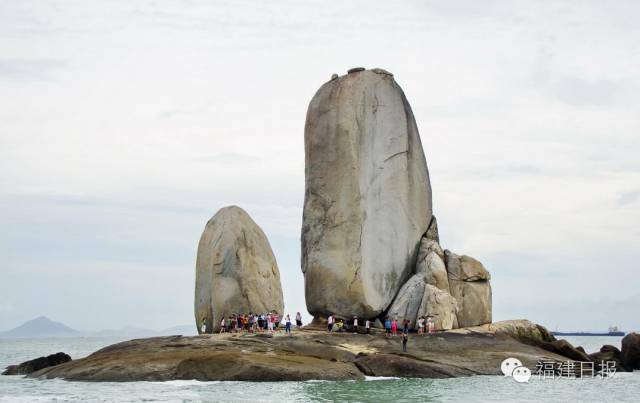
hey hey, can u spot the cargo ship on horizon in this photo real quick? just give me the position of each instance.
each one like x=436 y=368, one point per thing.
x=613 y=331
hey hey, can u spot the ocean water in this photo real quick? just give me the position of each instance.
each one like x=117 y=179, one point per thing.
x=620 y=387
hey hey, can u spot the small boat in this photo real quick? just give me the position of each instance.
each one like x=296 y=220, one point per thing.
x=613 y=331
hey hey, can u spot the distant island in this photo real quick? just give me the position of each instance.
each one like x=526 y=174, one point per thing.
x=43 y=327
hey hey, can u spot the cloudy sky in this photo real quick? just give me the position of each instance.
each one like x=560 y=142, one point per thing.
x=125 y=125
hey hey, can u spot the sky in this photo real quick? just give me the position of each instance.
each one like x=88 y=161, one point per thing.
x=125 y=125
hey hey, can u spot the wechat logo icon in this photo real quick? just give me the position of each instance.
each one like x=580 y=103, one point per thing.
x=512 y=367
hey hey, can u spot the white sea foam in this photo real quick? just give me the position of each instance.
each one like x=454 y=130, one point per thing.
x=380 y=378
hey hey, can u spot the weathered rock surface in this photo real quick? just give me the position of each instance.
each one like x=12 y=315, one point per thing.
x=432 y=232
x=566 y=349
x=36 y=364
x=608 y=354
x=434 y=271
x=520 y=329
x=469 y=285
x=236 y=271
x=441 y=306
x=309 y=354
x=630 y=353
x=465 y=268
x=427 y=246
x=407 y=303
x=367 y=195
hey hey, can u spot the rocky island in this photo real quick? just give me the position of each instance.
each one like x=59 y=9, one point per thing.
x=310 y=354
x=370 y=248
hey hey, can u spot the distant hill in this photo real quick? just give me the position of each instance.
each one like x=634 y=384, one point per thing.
x=41 y=327
x=45 y=327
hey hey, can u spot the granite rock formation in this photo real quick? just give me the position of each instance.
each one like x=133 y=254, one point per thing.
x=236 y=271
x=441 y=306
x=367 y=195
x=469 y=284
x=407 y=303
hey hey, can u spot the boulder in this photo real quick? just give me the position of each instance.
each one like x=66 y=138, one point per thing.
x=566 y=349
x=434 y=271
x=474 y=306
x=469 y=285
x=37 y=364
x=520 y=329
x=367 y=195
x=236 y=271
x=427 y=246
x=609 y=354
x=407 y=303
x=432 y=231
x=465 y=268
x=441 y=306
x=630 y=353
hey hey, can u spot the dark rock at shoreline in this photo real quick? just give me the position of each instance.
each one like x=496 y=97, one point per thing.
x=37 y=364
x=308 y=354
x=630 y=353
x=566 y=349
x=609 y=353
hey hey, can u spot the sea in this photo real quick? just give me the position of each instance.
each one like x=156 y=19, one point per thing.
x=620 y=387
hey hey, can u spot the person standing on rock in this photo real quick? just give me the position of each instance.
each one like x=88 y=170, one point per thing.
x=298 y=320
x=430 y=324
x=287 y=325
x=355 y=324
x=260 y=322
x=421 y=325
x=405 y=339
x=203 y=327
x=394 y=327
x=330 y=323
x=387 y=327
x=405 y=326
x=269 y=323
x=367 y=326
x=223 y=326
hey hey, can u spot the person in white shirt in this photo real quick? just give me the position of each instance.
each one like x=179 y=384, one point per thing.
x=430 y=324
x=330 y=323
x=355 y=324
x=269 y=323
x=367 y=325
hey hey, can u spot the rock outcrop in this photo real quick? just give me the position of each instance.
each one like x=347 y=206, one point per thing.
x=367 y=195
x=441 y=306
x=236 y=271
x=37 y=364
x=469 y=285
x=608 y=354
x=407 y=303
x=308 y=354
x=630 y=353
x=434 y=271
x=456 y=293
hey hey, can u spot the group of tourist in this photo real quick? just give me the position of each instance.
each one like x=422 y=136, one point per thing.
x=391 y=326
x=254 y=323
